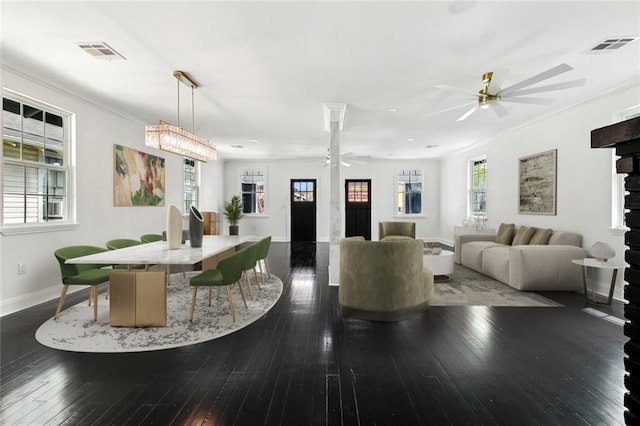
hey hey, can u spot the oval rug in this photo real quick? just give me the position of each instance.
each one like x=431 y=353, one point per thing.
x=76 y=331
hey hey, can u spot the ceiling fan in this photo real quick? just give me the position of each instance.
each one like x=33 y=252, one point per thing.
x=346 y=160
x=487 y=99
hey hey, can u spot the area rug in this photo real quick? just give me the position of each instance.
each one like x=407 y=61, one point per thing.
x=76 y=331
x=470 y=288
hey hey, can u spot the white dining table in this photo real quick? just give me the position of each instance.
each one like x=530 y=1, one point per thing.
x=159 y=252
x=138 y=298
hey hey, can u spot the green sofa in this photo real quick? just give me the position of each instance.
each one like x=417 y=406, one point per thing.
x=383 y=280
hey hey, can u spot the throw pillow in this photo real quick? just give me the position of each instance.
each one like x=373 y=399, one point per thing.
x=541 y=237
x=523 y=236
x=505 y=233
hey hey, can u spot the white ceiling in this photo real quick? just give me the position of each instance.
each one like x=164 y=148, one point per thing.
x=265 y=69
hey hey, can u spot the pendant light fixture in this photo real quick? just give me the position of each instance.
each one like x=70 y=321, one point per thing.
x=175 y=139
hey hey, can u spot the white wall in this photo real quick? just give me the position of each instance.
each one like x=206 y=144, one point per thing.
x=584 y=188
x=382 y=174
x=583 y=179
x=98 y=220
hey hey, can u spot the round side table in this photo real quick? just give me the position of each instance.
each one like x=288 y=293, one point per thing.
x=440 y=264
x=589 y=262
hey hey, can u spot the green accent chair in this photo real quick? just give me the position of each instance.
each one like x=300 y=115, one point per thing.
x=119 y=243
x=383 y=280
x=262 y=251
x=395 y=229
x=227 y=273
x=150 y=238
x=249 y=261
x=81 y=274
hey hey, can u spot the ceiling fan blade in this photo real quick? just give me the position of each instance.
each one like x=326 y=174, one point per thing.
x=535 y=101
x=559 y=69
x=548 y=88
x=468 y=113
x=429 y=114
x=499 y=109
x=457 y=89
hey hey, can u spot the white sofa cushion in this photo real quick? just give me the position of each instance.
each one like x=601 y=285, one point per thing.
x=471 y=256
x=495 y=262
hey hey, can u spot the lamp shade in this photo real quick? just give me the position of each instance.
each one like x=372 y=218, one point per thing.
x=602 y=251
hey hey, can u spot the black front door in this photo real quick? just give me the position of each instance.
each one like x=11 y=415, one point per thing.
x=357 y=208
x=303 y=209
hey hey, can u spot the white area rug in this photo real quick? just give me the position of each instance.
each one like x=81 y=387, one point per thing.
x=470 y=288
x=76 y=331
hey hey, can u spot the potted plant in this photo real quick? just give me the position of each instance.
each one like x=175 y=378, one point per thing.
x=233 y=213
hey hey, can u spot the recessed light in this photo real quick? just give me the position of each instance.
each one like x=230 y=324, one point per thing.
x=411 y=139
x=392 y=109
x=253 y=140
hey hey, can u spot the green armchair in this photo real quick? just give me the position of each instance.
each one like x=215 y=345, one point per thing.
x=396 y=229
x=383 y=280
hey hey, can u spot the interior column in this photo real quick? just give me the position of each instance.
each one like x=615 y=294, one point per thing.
x=333 y=121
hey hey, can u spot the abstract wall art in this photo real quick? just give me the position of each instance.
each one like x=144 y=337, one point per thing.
x=537 y=183
x=138 y=178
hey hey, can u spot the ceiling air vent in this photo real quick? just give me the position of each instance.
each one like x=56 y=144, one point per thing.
x=100 y=50
x=611 y=44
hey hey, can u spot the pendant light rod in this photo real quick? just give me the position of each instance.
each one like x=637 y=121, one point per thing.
x=183 y=78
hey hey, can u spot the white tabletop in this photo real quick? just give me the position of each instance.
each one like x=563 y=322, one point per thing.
x=158 y=252
x=593 y=263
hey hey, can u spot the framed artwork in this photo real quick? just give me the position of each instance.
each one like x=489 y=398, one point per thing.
x=138 y=178
x=537 y=183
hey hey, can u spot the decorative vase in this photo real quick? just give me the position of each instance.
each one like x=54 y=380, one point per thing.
x=174 y=227
x=233 y=229
x=196 y=227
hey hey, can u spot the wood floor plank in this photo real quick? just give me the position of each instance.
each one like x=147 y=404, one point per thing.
x=303 y=363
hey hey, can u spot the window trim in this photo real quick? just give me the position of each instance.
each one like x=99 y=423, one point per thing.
x=196 y=167
x=69 y=123
x=471 y=163
x=263 y=173
x=617 y=179
x=401 y=172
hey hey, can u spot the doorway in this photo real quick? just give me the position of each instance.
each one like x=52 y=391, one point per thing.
x=303 y=210
x=357 y=208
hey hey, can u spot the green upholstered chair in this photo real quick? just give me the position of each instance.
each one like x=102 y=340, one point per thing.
x=262 y=251
x=249 y=261
x=119 y=243
x=150 y=238
x=383 y=280
x=406 y=229
x=81 y=274
x=227 y=273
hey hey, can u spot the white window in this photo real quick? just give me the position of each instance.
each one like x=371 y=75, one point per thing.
x=617 y=179
x=477 y=188
x=36 y=171
x=253 y=191
x=409 y=184
x=191 y=179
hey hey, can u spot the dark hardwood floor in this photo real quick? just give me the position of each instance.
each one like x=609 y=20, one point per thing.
x=304 y=364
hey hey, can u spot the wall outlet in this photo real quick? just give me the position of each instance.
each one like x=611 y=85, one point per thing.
x=22 y=268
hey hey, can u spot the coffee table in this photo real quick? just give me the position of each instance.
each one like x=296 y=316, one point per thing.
x=440 y=264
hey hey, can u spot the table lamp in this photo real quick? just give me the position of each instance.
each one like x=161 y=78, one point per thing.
x=602 y=251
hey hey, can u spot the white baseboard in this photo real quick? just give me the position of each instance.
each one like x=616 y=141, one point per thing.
x=25 y=301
